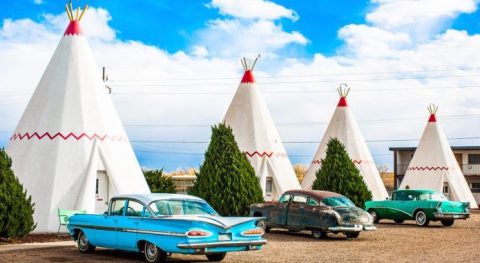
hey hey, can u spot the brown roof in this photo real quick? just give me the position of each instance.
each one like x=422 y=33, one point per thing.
x=314 y=193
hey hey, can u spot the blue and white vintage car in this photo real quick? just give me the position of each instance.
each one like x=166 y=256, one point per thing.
x=161 y=224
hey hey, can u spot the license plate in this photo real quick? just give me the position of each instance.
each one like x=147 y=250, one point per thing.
x=225 y=236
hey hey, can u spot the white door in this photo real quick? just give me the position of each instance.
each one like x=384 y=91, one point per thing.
x=101 y=192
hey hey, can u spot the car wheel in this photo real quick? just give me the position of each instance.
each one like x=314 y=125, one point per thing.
x=421 y=218
x=263 y=225
x=352 y=234
x=447 y=222
x=374 y=214
x=398 y=221
x=83 y=243
x=319 y=234
x=216 y=256
x=154 y=254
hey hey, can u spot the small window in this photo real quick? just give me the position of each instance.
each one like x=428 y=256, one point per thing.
x=285 y=198
x=299 y=199
x=134 y=209
x=96 y=188
x=117 y=207
x=475 y=188
x=445 y=189
x=474 y=159
x=268 y=187
x=312 y=202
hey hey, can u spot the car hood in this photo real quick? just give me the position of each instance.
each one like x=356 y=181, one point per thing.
x=223 y=222
x=353 y=215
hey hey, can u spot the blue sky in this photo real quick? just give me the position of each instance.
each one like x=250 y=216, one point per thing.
x=317 y=43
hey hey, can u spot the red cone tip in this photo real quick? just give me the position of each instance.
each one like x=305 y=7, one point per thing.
x=248 y=77
x=73 y=28
x=432 y=118
x=342 y=102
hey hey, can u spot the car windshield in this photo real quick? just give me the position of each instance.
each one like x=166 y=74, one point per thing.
x=181 y=207
x=338 y=201
x=432 y=196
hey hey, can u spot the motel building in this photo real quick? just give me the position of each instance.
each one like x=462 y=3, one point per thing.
x=468 y=158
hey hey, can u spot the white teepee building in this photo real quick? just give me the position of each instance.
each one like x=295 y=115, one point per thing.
x=70 y=150
x=434 y=166
x=257 y=137
x=344 y=127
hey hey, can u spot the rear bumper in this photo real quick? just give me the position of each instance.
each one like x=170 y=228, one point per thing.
x=354 y=228
x=451 y=215
x=254 y=243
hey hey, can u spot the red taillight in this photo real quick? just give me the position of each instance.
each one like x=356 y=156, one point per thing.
x=253 y=232
x=198 y=233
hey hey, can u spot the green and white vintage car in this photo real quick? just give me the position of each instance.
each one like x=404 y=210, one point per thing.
x=422 y=206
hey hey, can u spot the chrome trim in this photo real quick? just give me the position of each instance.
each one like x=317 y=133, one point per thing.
x=369 y=228
x=355 y=228
x=132 y=230
x=223 y=244
x=451 y=215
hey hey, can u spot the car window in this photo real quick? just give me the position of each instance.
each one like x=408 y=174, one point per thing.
x=312 y=202
x=117 y=207
x=299 y=199
x=134 y=208
x=338 y=201
x=411 y=197
x=181 y=207
x=400 y=196
x=285 y=198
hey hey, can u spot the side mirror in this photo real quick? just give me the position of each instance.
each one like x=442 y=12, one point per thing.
x=105 y=213
x=387 y=198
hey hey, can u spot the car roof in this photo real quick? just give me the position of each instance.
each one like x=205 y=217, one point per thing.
x=417 y=190
x=147 y=198
x=314 y=193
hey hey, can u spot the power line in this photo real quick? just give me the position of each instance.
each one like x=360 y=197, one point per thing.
x=294 y=142
x=300 y=123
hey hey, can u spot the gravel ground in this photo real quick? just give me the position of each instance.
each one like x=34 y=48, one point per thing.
x=391 y=242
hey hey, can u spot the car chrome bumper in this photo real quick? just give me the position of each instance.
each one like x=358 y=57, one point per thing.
x=451 y=215
x=223 y=244
x=354 y=228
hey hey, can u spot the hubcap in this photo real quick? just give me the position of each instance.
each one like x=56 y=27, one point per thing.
x=83 y=241
x=262 y=225
x=421 y=218
x=151 y=251
x=374 y=215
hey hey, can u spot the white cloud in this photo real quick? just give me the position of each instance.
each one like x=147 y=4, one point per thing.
x=253 y=9
x=234 y=38
x=419 y=17
x=152 y=86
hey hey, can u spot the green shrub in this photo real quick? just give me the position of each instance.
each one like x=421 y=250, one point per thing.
x=159 y=183
x=16 y=208
x=339 y=174
x=226 y=179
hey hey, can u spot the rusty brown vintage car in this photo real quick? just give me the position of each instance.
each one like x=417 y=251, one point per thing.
x=317 y=211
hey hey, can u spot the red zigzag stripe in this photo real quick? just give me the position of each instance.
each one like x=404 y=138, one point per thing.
x=28 y=136
x=428 y=168
x=266 y=154
x=354 y=161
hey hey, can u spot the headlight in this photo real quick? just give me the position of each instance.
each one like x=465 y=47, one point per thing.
x=253 y=232
x=198 y=233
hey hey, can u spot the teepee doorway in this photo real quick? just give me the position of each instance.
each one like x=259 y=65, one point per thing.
x=102 y=192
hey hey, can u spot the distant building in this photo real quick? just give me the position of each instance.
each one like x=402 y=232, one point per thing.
x=468 y=157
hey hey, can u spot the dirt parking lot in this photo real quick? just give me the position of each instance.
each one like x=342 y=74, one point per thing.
x=391 y=242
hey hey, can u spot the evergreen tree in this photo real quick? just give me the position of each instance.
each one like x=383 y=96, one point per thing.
x=226 y=179
x=159 y=183
x=16 y=208
x=339 y=174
